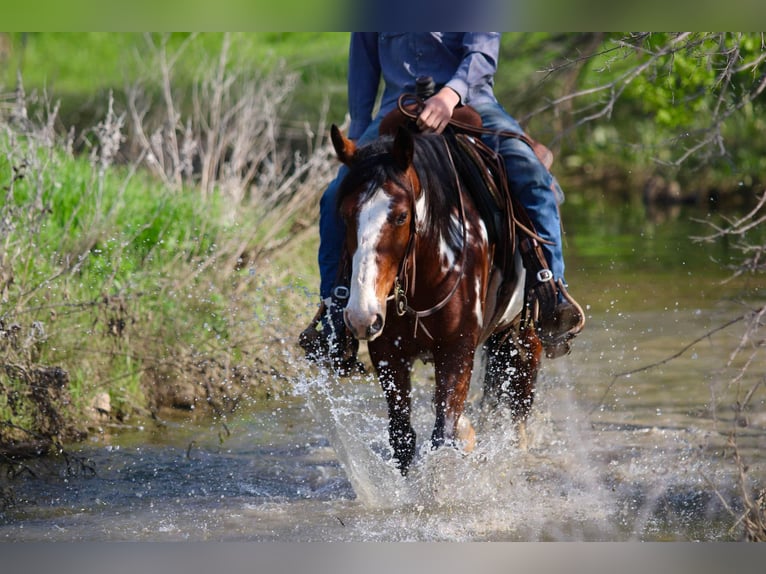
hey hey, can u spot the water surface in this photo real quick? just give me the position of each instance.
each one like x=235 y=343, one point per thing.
x=613 y=456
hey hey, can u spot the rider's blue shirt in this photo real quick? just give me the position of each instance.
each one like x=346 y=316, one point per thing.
x=463 y=61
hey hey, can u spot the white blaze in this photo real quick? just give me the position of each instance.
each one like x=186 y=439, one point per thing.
x=363 y=304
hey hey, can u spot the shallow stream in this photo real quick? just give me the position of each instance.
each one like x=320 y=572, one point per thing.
x=613 y=456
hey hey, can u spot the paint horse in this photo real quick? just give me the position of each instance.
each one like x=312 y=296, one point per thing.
x=434 y=275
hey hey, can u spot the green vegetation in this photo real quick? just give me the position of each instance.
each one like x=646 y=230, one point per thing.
x=131 y=283
x=681 y=106
x=685 y=107
x=113 y=284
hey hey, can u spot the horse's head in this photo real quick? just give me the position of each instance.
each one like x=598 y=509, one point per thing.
x=377 y=203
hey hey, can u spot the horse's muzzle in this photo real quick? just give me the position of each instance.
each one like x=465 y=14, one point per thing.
x=366 y=327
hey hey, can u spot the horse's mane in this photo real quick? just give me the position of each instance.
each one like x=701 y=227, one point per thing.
x=443 y=168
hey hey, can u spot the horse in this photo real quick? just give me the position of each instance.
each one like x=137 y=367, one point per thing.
x=435 y=276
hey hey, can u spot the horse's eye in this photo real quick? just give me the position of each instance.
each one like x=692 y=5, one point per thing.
x=401 y=218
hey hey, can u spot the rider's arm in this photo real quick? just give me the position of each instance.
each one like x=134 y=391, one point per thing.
x=478 y=66
x=475 y=73
x=363 y=80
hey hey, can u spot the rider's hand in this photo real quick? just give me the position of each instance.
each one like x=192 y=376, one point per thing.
x=437 y=111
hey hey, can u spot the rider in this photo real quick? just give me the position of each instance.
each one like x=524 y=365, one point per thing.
x=463 y=66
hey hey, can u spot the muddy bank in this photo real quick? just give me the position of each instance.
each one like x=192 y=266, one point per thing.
x=193 y=387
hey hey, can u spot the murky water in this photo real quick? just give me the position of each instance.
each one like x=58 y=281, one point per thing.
x=643 y=456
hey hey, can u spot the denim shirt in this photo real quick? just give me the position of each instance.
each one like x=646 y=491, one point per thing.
x=463 y=61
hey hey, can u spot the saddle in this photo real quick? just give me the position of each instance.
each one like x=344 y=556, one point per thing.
x=465 y=119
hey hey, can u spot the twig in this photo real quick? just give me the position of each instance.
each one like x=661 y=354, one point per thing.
x=667 y=359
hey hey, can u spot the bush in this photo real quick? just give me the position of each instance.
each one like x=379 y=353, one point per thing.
x=128 y=286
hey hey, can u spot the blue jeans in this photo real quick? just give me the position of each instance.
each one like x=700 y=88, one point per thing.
x=535 y=187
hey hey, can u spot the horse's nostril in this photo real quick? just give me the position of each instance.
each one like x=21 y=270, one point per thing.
x=376 y=326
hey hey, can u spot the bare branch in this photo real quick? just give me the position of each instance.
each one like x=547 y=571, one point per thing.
x=669 y=358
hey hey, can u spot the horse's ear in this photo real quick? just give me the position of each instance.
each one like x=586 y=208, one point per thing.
x=404 y=148
x=344 y=147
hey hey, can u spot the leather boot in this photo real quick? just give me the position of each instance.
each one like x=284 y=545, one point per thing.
x=327 y=339
x=559 y=327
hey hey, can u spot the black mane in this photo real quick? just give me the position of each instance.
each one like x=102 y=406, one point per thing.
x=437 y=159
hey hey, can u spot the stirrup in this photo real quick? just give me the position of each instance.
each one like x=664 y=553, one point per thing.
x=311 y=340
x=564 y=322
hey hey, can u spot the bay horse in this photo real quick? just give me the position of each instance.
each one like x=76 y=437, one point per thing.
x=434 y=275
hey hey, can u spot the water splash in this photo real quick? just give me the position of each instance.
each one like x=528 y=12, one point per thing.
x=449 y=494
x=356 y=426
x=578 y=480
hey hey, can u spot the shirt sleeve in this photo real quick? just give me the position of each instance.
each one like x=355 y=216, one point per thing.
x=363 y=80
x=478 y=66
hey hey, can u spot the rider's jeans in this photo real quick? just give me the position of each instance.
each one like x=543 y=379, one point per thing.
x=534 y=186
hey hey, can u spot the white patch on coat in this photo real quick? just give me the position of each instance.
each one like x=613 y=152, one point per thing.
x=516 y=303
x=446 y=256
x=478 y=307
x=421 y=205
x=483 y=233
x=363 y=303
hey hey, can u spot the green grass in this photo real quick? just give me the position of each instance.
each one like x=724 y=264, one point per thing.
x=116 y=278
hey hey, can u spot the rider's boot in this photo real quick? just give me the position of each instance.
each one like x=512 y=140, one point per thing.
x=558 y=325
x=327 y=338
x=558 y=318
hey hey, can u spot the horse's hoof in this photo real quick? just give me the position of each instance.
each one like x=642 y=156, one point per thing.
x=466 y=436
x=523 y=438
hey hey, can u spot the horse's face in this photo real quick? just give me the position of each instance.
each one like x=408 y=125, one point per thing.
x=378 y=229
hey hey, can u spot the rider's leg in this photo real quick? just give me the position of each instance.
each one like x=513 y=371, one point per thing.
x=540 y=194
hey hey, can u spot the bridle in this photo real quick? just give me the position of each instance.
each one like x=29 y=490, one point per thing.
x=405 y=282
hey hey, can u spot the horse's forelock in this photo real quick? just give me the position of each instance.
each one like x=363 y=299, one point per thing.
x=372 y=167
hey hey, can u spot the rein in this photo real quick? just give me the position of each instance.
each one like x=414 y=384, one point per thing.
x=411 y=105
x=402 y=284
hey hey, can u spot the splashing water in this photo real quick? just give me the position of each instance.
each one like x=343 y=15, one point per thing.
x=578 y=480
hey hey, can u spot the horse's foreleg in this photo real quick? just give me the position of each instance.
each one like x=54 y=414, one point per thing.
x=525 y=365
x=512 y=368
x=394 y=376
x=514 y=362
x=453 y=376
